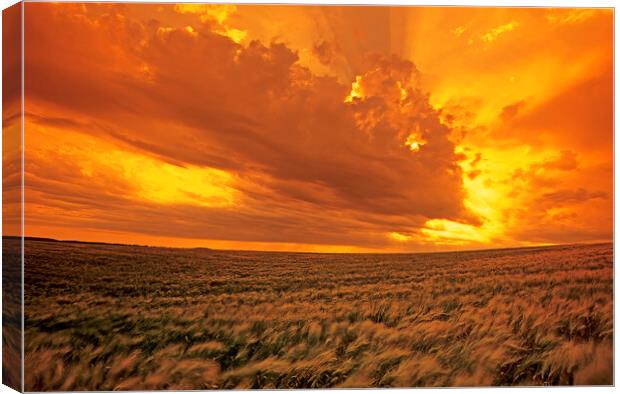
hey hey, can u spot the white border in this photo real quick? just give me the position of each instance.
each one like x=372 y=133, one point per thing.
x=477 y=3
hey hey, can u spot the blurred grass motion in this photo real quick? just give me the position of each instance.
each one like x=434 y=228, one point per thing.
x=109 y=317
x=12 y=314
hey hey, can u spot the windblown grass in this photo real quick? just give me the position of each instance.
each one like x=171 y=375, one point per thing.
x=103 y=317
x=11 y=314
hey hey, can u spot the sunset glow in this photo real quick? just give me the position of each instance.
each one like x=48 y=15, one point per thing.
x=317 y=128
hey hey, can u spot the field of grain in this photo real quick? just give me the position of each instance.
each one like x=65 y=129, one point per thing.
x=11 y=314
x=104 y=317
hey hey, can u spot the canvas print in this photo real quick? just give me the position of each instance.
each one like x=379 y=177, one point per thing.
x=221 y=196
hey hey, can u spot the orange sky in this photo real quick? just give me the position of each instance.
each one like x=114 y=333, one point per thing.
x=316 y=128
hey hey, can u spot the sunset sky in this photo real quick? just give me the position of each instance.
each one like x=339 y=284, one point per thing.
x=316 y=128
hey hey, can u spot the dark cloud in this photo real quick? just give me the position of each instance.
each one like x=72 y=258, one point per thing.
x=567 y=161
x=580 y=116
x=561 y=197
x=510 y=111
x=11 y=120
x=324 y=51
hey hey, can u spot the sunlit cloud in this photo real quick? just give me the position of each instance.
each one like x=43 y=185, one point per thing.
x=459 y=30
x=400 y=237
x=356 y=90
x=569 y=16
x=415 y=142
x=494 y=33
x=449 y=232
x=218 y=13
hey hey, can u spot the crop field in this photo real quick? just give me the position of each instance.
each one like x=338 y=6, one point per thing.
x=11 y=314
x=110 y=317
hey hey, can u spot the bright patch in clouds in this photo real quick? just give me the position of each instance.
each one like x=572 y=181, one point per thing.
x=415 y=142
x=494 y=33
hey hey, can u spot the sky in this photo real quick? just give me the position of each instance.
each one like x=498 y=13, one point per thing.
x=315 y=128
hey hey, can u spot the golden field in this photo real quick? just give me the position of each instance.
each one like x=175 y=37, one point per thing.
x=110 y=317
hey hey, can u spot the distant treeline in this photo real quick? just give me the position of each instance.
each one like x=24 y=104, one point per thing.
x=42 y=239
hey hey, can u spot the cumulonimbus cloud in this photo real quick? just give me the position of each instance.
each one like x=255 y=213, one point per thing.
x=196 y=97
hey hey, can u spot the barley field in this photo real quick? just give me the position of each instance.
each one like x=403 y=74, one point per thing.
x=113 y=317
x=11 y=313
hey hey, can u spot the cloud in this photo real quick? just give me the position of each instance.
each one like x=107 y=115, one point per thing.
x=324 y=51
x=306 y=165
x=567 y=161
x=495 y=32
x=561 y=17
x=11 y=64
x=581 y=116
x=510 y=111
x=11 y=120
x=317 y=136
x=579 y=195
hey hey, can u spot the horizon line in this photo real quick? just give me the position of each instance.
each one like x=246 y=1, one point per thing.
x=550 y=245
